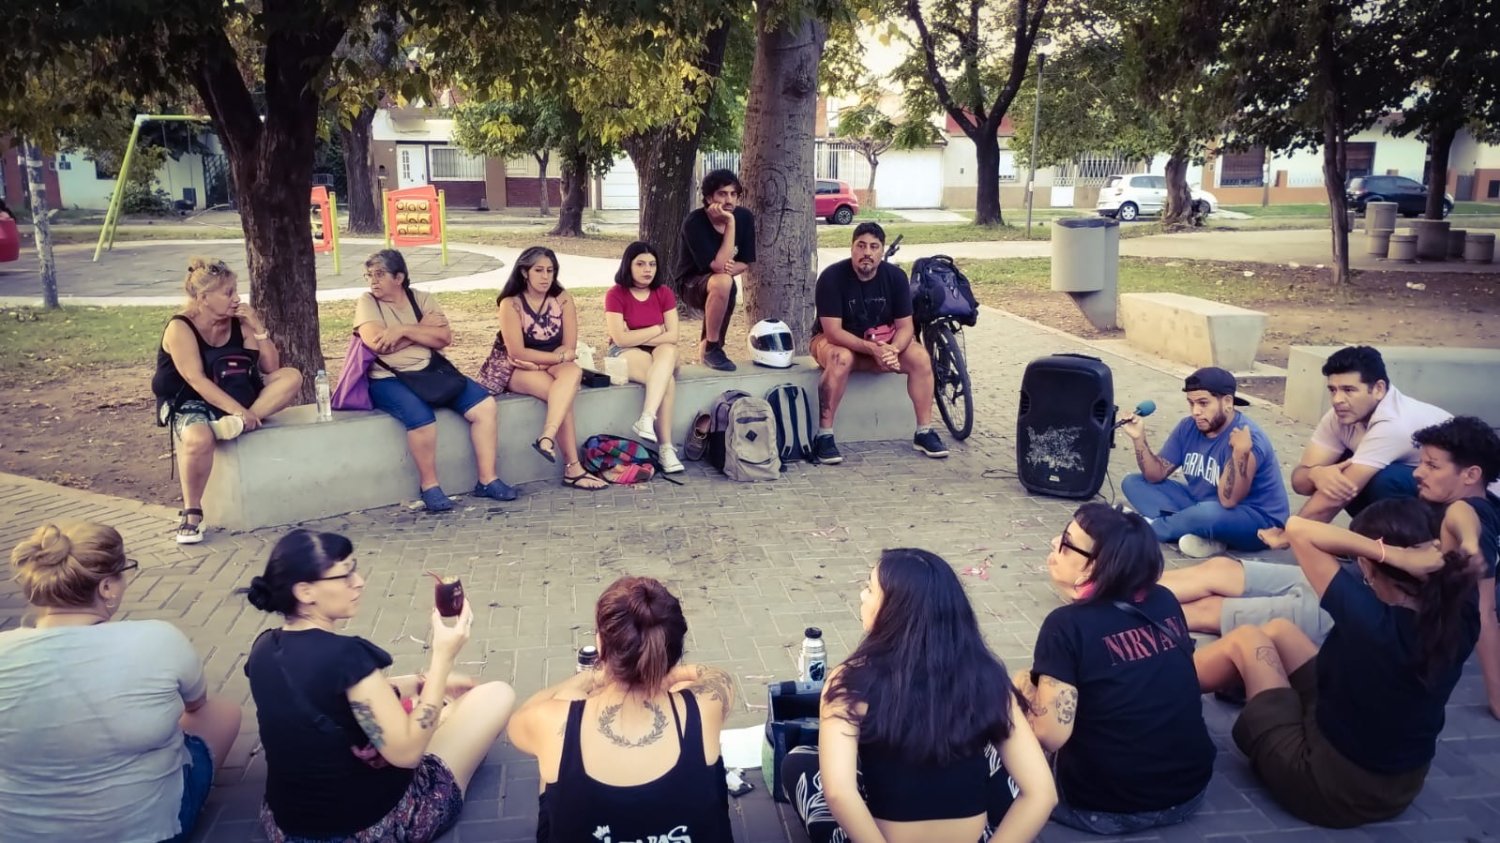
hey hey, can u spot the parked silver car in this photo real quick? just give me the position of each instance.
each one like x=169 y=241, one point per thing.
x=1128 y=197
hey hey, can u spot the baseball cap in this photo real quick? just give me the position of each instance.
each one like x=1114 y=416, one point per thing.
x=1215 y=380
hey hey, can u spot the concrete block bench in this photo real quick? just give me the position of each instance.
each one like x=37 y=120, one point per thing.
x=1191 y=330
x=295 y=469
x=1460 y=380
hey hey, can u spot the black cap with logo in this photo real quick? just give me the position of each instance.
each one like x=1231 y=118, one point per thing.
x=1216 y=381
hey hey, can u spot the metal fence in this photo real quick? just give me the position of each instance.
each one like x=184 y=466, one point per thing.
x=449 y=163
x=1093 y=170
x=831 y=160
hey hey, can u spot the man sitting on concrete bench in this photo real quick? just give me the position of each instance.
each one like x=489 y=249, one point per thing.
x=864 y=322
x=1362 y=450
x=1233 y=483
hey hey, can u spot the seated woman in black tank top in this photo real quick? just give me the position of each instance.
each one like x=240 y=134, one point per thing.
x=632 y=747
x=922 y=737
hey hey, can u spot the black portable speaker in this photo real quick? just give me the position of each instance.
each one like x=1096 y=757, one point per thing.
x=1066 y=425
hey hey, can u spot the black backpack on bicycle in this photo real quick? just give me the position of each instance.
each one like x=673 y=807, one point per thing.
x=940 y=291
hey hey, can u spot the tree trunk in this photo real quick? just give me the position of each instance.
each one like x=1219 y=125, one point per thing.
x=777 y=166
x=575 y=185
x=1333 y=184
x=987 y=165
x=1439 y=148
x=870 y=188
x=363 y=199
x=545 y=206
x=1179 y=198
x=41 y=224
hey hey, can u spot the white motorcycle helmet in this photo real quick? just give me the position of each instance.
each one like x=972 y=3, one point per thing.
x=771 y=344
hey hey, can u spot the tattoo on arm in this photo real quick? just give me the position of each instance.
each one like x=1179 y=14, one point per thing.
x=365 y=717
x=713 y=683
x=1067 y=705
x=427 y=716
x=1228 y=479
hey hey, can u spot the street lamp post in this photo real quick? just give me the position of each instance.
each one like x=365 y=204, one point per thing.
x=1043 y=47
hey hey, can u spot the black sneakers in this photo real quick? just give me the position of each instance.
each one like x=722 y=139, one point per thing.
x=825 y=452
x=715 y=358
x=928 y=443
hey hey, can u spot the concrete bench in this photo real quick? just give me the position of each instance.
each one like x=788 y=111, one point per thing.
x=1191 y=330
x=295 y=469
x=1460 y=380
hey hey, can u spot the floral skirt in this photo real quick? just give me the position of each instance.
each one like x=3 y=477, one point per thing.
x=429 y=808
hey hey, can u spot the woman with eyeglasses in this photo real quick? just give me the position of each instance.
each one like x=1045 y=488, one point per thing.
x=108 y=733
x=406 y=329
x=1112 y=686
x=352 y=754
x=218 y=374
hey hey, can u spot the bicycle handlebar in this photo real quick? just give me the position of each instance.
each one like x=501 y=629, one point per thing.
x=895 y=247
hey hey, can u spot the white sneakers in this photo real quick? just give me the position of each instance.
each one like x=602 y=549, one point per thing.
x=670 y=464
x=1197 y=547
x=227 y=427
x=644 y=429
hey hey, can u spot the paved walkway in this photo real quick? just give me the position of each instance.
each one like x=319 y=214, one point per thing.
x=753 y=565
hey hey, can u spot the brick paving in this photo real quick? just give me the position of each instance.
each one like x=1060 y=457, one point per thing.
x=753 y=566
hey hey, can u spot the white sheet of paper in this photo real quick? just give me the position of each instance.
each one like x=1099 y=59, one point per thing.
x=741 y=747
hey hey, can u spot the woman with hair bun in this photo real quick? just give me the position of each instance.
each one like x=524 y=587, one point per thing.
x=351 y=754
x=108 y=732
x=218 y=374
x=1344 y=734
x=626 y=749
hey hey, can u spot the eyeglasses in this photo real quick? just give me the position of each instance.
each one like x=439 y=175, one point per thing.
x=1064 y=544
x=375 y=273
x=353 y=566
x=130 y=565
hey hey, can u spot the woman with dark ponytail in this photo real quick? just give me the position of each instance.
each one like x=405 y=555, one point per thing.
x=1344 y=735
x=352 y=754
x=627 y=747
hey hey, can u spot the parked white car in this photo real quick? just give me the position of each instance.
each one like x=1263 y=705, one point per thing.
x=1128 y=197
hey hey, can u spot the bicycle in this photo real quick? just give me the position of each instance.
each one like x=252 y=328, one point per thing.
x=943 y=337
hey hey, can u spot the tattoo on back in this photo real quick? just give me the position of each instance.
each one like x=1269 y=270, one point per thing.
x=365 y=717
x=610 y=713
x=713 y=683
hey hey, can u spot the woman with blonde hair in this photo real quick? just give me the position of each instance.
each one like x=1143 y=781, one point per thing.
x=109 y=732
x=218 y=374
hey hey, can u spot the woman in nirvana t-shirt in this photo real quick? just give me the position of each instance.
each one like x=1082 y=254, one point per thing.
x=641 y=317
x=1112 y=686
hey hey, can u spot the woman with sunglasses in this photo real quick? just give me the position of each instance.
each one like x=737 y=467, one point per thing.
x=1112 y=686
x=108 y=733
x=352 y=754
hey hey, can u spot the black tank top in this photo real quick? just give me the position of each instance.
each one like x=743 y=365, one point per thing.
x=689 y=802
x=169 y=387
x=899 y=791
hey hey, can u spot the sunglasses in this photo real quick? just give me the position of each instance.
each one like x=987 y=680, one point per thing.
x=1064 y=544
x=353 y=566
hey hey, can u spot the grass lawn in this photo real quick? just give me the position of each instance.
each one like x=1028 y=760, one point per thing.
x=993 y=279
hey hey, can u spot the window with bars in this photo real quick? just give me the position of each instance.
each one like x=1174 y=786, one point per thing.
x=450 y=163
x=1243 y=169
x=1359 y=158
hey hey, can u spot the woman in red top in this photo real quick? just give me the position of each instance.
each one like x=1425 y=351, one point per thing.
x=641 y=317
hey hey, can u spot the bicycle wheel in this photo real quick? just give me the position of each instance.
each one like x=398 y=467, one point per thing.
x=955 y=396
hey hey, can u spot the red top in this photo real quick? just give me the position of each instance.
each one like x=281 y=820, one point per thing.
x=640 y=314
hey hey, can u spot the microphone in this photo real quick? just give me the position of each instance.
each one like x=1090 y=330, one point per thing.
x=1143 y=409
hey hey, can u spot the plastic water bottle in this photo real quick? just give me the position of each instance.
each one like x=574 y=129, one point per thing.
x=588 y=658
x=325 y=397
x=813 y=663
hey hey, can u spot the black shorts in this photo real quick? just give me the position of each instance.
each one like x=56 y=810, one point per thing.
x=693 y=290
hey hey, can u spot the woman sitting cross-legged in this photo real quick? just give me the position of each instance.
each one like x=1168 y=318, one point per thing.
x=351 y=754
x=405 y=327
x=534 y=355
x=217 y=375
x=921 y=736
x=108 y=733
x=1344 y=735
x=630 y=750
x=641 y=317
x=1112 y=686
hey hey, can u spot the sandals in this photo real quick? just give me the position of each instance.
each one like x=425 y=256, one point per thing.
x=581 y=481
x=548 y=453
x=189 y=533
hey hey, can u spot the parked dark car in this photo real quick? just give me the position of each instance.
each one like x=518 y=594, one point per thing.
x=1409 y=195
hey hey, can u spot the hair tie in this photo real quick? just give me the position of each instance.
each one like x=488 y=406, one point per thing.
x=1380 y=543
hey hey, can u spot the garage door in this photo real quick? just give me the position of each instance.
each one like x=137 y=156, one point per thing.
x=910 y=179
x=619 y=189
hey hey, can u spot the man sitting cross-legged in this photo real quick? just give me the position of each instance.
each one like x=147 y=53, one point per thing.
x=1232 y=482
x=1361 y=451
x=864 y=322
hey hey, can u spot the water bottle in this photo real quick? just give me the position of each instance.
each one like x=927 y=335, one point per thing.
x=588 y=658
x=325 y=397
x=813 y=663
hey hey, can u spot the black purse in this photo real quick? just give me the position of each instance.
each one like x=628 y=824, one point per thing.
x=437 y=383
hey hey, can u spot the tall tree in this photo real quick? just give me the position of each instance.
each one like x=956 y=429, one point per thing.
x=872 y=132
x=971 y=56
x=777 y=162
x=1310 y=73
x=1457 y=66
x=511 y=129
x=367 y=62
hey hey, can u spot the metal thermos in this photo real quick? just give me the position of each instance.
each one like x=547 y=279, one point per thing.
x=588 y=657
x=813 y=663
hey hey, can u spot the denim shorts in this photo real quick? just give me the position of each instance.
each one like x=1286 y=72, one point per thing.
x=616 y=351
x=392 y=396
x=197 y=781
x=1104 y=822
